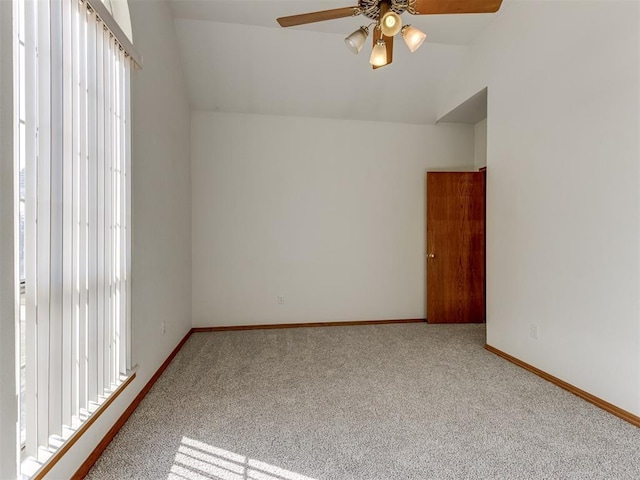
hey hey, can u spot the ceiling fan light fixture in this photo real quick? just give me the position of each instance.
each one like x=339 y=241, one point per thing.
x=379 y=54
x=390 y=23
x=413 y=37
x=355 y=41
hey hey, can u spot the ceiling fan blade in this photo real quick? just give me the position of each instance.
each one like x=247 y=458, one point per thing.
x=435 y=7
x=313 y=17
x=388 y=41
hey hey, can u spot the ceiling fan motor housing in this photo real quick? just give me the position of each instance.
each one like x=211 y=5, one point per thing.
x=371 y=8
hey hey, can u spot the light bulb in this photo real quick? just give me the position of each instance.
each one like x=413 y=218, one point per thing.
x=379 y=54
x=413 y=37
x=355 y=41
x=390 y=24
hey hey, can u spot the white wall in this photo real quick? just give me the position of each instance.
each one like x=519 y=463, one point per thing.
x=8 y=407
x=480 y=144
x=563 y=180
x=161 y=270
x=328 y=213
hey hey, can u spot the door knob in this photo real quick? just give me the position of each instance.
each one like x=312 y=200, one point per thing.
x=431 y=255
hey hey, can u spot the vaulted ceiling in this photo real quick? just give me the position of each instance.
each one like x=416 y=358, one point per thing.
x=236 y=58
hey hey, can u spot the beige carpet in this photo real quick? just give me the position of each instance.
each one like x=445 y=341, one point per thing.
x=408 y=401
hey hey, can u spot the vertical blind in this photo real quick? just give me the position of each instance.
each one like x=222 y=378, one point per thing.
x=75 y=147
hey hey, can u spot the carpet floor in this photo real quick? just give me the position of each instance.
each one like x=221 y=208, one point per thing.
x=405 y=401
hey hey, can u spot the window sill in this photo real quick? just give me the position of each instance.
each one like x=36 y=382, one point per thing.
x=36 y=469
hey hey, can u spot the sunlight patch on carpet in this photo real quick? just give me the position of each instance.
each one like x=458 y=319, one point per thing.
x=197 y=460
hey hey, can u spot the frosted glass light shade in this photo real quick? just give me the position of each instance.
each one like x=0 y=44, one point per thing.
x=379 y=54
x=355 y=41
x=390 y=24
x=413 y=37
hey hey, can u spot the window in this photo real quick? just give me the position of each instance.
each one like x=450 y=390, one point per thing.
x=73 y=157
x=21 y=129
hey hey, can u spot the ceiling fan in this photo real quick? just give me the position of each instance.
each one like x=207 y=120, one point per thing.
x=386 y=18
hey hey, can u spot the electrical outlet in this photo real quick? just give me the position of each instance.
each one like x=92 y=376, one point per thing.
x=533 y=331
x=280 y=299
x=164 y=328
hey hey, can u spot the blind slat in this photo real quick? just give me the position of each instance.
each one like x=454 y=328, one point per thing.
x=69 y=156
x=86 y=27
x=106 y=285
x=121 y=360
x=57 y=216
x=78 y=122
x=94 y=32
x=28 y=130
x=43 y=118
x=127 y=219
x=100 y=211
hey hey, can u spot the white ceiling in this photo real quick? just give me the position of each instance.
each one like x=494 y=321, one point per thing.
x=471 y=111
x=236 y=58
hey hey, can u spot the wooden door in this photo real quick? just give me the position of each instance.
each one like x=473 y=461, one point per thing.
x=455 y=247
